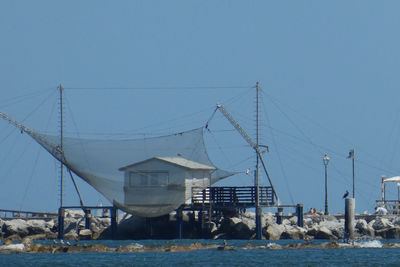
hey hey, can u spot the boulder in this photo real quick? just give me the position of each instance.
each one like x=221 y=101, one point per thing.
x=293 y=232
x=381 y=223
x=85 y=234
x=361 y=227
x=36 y=227
x=273 y=231
x=71 y=235
x=334 y=226
x=396 y=221
x=236 y=228
x=393 y=232
x=51 y=225
x=13 y=248
x=267 y=219
x=250 y=222
x=15 y=227
x=293 y=220
x=321 y=233
x=308 y=223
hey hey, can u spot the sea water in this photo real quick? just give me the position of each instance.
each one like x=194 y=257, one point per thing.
x=371 y=254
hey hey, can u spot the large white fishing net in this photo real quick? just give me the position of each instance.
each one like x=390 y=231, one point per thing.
x=146 y=177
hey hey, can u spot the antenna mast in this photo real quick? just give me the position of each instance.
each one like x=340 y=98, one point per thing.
x=257 y=171
x=60 y=87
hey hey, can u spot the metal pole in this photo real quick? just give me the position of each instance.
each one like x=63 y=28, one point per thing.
x=351 y=156
x=256 y=180
x=326 y=190
x=354 y=181
x=383 y=189
x=60 y=87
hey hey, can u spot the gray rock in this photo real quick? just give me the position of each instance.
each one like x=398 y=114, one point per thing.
x=274 y=231
x=293 y=232
x=293 y=220
x=324 y=233
x=15 y=227
x=381 y=223
x=362 y=227
x=85 y=234
x=235 y=228
x=13 y=248
x=36 y=227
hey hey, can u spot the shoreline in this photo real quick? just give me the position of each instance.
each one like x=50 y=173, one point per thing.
x=28 y=246
x=240 y=226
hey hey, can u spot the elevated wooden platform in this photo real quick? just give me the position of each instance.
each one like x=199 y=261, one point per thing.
x=232 y=197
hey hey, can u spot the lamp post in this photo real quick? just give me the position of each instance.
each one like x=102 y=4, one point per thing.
x=351 y=156
x=326 y=161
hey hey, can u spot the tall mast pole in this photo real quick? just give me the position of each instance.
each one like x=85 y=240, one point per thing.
x=256 y=184
x=60 y=87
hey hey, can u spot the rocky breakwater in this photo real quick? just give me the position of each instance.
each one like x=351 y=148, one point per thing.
x=47 y=228
x=234 y=227
x=314 y=227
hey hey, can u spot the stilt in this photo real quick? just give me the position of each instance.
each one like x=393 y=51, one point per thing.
x=258 y=223
x=61 y=215
x=113 y=215
x=349 y=219
x=88 y=218
x=299 y=212
x=279 y=216
x=179 y=222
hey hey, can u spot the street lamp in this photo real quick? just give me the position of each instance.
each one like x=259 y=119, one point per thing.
x=326 y=161
x=351 y=156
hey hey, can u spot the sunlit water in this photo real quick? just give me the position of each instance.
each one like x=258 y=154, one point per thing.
x=371 y=254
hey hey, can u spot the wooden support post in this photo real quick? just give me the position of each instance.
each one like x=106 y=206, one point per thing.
x=349 y=218
x=279 y=216
x=258 y=223
x=61 y=215
x=299 y=212
x=179 y=222
x=88 y=218
x=113 y=215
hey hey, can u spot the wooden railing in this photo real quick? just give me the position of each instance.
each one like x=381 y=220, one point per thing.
x=233 y=196
x=25 y=214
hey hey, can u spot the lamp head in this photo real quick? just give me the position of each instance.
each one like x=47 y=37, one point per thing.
x=326 y=160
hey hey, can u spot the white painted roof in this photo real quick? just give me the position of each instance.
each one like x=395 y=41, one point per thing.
x=186 y=163
x=392 y=179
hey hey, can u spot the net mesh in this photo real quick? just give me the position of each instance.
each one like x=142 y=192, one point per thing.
x=146 y=177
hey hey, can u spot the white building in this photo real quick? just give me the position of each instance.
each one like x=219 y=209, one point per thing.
x=159 y=184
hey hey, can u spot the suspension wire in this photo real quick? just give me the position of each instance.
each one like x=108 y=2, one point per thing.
x=20 y=98
x=157 y=88
x=35 y=163
x=230 y=100
x=277 y=152
x=30 y=179
x=344 y=139
x=37 y=108
x=18 y=159
x=212 y=116
x=344 y=176
x=219 y=147
x=297 y=127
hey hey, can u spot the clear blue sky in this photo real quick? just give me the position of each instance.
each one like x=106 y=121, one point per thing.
x=328 y=71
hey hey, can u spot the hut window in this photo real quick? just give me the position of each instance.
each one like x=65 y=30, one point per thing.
x=148 y=179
